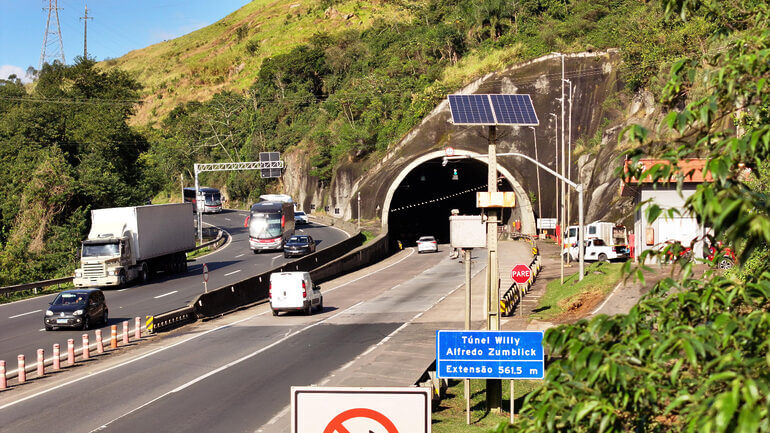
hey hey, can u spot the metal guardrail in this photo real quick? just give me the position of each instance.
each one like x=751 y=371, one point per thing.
x=35 y=285
x=219 y=240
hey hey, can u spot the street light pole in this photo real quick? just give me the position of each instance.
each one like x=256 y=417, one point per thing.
x=559 y=216
x=568 y=173
x=556 y=165
x=537 y=168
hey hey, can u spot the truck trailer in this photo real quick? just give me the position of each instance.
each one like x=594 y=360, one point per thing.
x=130 y=243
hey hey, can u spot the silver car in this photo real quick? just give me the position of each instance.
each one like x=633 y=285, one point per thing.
x=427 y=244
x=300 y=217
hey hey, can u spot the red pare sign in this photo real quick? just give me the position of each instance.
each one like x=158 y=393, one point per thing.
x=521 y=273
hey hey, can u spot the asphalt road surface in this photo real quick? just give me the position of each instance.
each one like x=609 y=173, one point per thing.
x=21 y=323
x=234 y=374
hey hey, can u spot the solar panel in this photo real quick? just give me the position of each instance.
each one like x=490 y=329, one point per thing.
x=471 y=110
x=514 y=110
x=492 y=110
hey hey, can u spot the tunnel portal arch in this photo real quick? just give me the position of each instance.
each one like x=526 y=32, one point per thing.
x=522 y=198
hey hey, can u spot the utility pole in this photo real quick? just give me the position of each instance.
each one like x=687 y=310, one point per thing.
x=563 y=170
x=85 y=32
x=359 y=211
x=537 y=168
x=54 y=34
x=568 y=175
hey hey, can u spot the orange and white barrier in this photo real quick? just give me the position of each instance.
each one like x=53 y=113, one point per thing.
x=70 y=351
x=22 y=372
x=56 y=357
x=86 y=352
x=137 y=328
x=114 y=335
x=99 y=342
x=40 y=362
x=3 y=380
x=125 y=332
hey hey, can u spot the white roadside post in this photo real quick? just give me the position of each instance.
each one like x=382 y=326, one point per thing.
x=205 y=278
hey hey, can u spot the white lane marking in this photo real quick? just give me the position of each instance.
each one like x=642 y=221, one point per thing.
x=608 y=298
x=193 y=337
x=217 y=370
x=165 y=294
x=278 y=416
x=43 y=329
x=24 y=314
x=240 y=255
x=276 y=257
x=231 y=273
x=411 y=251
x=228 y=219
x=130 y=361
x=121 y=290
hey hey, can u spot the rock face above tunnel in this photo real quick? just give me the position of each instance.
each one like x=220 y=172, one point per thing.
x=594 y=79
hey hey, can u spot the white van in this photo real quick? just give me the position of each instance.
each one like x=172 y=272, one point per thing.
x=294 y=291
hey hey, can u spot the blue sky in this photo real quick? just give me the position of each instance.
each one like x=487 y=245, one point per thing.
x=118 y=27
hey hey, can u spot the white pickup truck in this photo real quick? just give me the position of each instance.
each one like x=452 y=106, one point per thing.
x=597 y=250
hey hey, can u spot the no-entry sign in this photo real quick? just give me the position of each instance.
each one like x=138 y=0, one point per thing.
x=319 y=409
x=521 y=273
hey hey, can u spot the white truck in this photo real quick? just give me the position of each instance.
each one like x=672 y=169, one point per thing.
x=596 y=250
x=294 y=291
x=128 y=243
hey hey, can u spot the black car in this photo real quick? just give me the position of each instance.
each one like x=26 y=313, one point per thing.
x=79 y=308
x=299 y=246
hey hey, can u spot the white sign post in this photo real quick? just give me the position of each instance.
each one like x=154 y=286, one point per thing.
x=317 y=409
x=205 y=278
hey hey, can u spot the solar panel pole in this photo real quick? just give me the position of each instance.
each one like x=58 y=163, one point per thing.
x=494 y=386
x=537 y=168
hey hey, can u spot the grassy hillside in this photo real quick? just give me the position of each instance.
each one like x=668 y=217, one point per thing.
x=227 y=55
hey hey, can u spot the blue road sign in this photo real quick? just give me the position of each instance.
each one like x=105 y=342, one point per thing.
x=490 y=354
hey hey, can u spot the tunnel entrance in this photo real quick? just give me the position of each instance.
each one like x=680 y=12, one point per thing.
x=422 y=202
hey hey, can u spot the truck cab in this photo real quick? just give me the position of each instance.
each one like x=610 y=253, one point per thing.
x=103 y=262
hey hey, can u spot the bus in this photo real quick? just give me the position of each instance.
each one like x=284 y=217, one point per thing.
x=284 y=198
x=210 y=199
x=270 y=224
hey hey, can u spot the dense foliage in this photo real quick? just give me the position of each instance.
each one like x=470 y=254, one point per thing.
x=350 y=95
x=65 y=147
x=694 y=354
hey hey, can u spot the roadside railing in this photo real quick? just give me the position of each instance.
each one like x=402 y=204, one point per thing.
x=37 y=285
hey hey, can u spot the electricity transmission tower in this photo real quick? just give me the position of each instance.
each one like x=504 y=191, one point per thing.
x=53 y=47
x=85 y=33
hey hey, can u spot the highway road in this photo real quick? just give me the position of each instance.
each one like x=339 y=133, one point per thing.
x=234 y=373
x=21 y=323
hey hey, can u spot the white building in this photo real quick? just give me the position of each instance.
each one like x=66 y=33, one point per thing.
x=682 y=226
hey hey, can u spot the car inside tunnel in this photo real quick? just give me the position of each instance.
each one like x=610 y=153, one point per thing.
x=423 y=202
